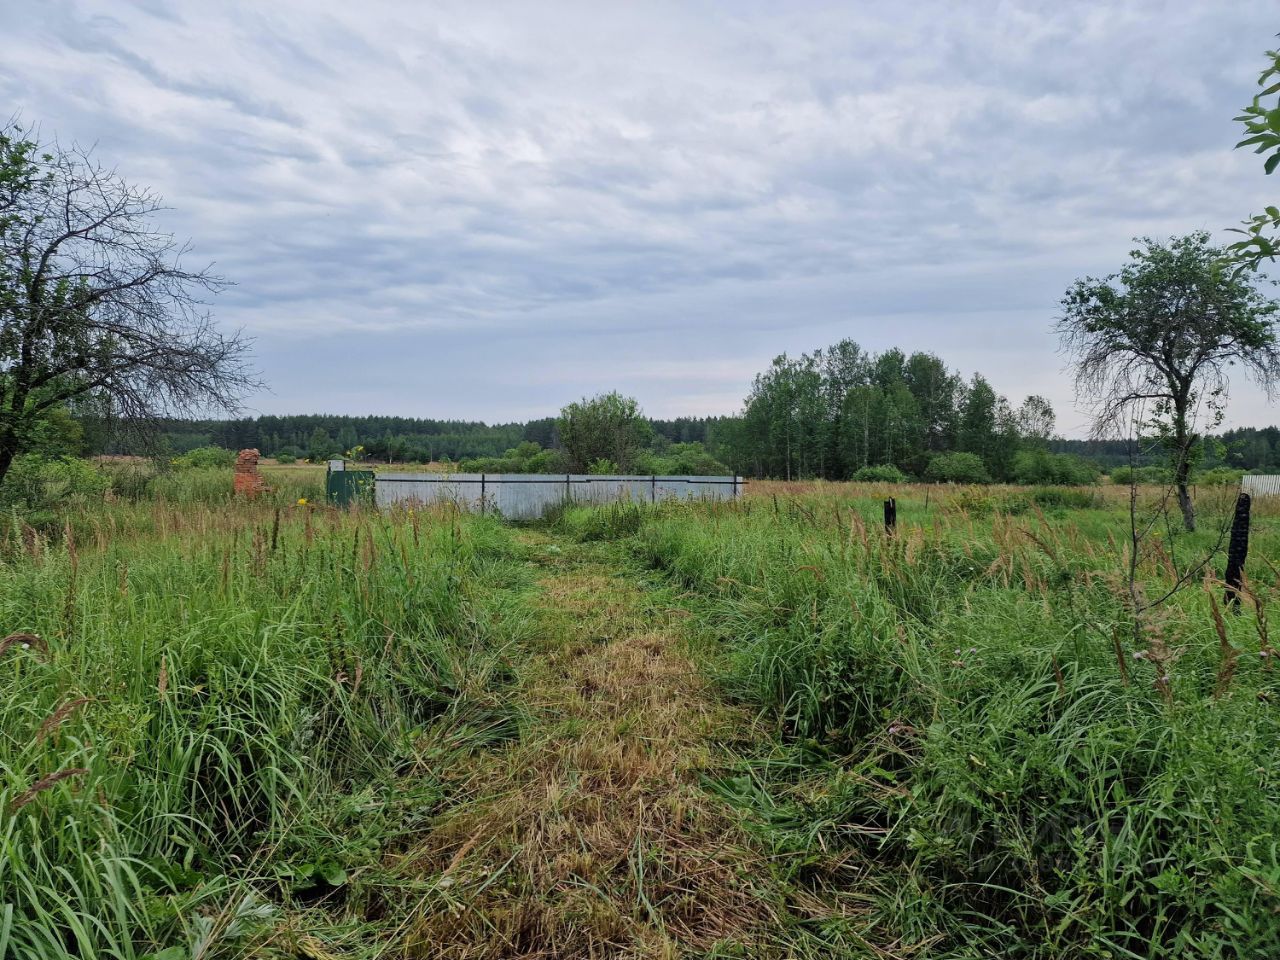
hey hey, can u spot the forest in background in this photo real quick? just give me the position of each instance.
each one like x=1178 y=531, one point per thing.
x=836 y=413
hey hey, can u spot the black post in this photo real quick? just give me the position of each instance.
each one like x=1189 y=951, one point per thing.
x=1237 y=550
x=653 y=489
x=890 y=515
x=482 y=494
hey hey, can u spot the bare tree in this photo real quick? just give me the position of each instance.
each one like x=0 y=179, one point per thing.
x=95 y=302
x=1162 y=334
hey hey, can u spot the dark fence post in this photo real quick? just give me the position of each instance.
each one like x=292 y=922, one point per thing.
x=482 y=494
x=890 y=515
x=1237 y=551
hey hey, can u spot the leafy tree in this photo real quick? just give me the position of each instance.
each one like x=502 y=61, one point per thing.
x=321 y=446
x=1152 y=344
x=95 y=302
x=978 y=419
x=1036 y=420
x=609 y=427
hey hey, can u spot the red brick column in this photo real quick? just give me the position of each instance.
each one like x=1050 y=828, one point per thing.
x=247 y=480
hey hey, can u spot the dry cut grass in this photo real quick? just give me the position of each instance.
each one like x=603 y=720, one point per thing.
x=592 y=837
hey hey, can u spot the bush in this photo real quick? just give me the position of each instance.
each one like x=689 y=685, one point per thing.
x=682 y=460
x=1040 y=467
x=206 y=457
x=602 y=467
x=885 y=473
x=957 y=468
x=286 y=458
x=529 y=457
x=1127 y=475
x=1220 y=477
x=1064 y=498
x=37 y=487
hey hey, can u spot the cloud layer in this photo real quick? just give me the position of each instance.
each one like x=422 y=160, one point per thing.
x=486 y=210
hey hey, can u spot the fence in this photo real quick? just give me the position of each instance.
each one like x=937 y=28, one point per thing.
x=527 y=496
x=1268 y=485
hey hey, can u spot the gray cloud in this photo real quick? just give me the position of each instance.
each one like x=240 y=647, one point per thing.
x=486 y=210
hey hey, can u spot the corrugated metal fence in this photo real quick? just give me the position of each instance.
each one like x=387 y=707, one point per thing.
x=526 y=496
x=1260 y=485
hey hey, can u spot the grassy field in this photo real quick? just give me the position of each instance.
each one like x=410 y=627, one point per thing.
x=764 y=728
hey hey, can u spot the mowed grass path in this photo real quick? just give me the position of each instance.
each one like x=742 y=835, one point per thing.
x=592 y=835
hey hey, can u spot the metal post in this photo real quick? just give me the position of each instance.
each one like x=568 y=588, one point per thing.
x=653 y=488
x=890 y=515
x=482 y=494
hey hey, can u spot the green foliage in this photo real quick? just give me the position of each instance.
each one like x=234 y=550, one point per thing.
x=1038 y=466
x=957 y=468
x=1154 y=343
x=1220 y=477
x=681 y=460
x=232 y=715
x=951 y=723
x=286 y=459
x=38 y=488
x=884 y=473
x=206 y=457
x=1151 y=474
x=607 y=427
x=603 y=468
x=527 y=457
x=1261 y=121
x=834 y=412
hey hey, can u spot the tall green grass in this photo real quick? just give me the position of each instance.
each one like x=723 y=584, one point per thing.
x=221 y=716
x=976 y=756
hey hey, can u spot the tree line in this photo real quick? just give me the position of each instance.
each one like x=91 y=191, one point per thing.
x=841 y=410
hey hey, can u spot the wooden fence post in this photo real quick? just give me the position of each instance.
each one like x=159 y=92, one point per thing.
x=1237 y=551
x=890 y=515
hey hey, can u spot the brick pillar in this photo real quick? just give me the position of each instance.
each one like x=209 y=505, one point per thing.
x=247 y=480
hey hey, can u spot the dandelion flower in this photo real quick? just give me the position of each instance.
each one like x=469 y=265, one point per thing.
x=302 y=501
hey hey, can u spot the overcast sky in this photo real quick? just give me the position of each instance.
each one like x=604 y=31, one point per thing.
x=484 y=210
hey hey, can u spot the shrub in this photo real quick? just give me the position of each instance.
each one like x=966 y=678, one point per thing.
x=1220 y=477
x=37 y=487
x=884 y=473
x=1064 y=497
x=529 y=457
x=957 y=468
x=1040 y=467
x=206 y=457
x=682 y=459
x=1127 y=475
x=602 y=467
x=286 y=458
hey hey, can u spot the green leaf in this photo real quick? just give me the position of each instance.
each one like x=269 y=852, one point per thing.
x=1259 y=138
x=1268 y=167
x=333 y=874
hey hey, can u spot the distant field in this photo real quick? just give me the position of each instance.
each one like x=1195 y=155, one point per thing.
x=764 y=728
